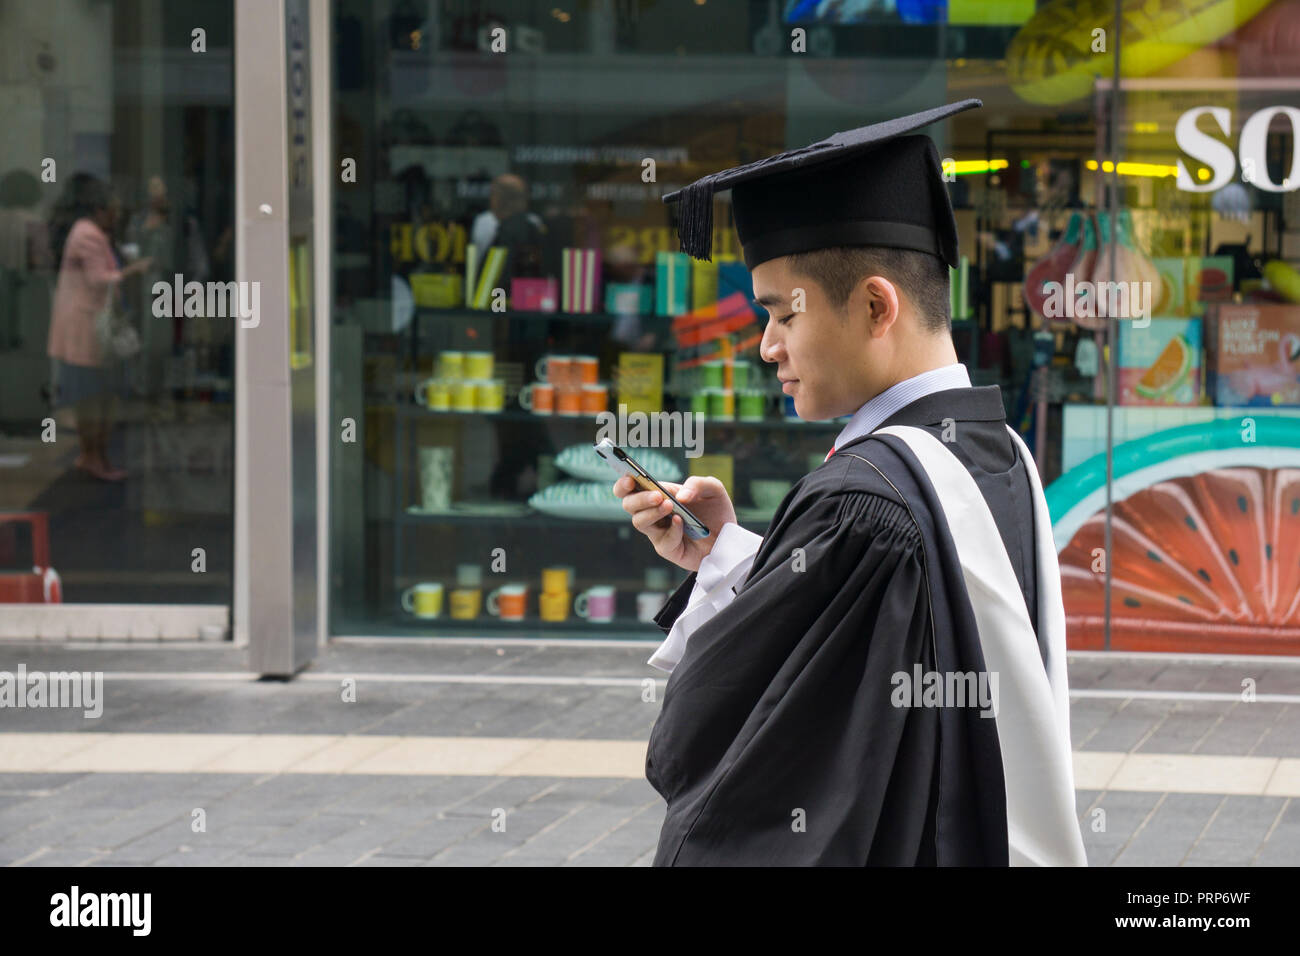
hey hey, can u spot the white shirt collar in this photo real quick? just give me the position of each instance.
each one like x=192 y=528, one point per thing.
x=876 y=410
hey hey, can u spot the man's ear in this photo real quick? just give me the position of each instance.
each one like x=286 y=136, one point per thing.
x=882 y=304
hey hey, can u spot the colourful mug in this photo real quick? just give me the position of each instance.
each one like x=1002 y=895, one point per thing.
x=508 y=602
x=433 y=394
x=595 y=604
x=465 y=603
x=538 y=398
x=554 y=605
x=423 y=600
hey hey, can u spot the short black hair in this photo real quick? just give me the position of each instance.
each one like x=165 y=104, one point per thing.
x=84 y=196
x=921 y=276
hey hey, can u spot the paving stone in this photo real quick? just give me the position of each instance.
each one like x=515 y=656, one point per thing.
x=603 y=858
x=626 y=844
x=1222 y=853
x=1244 y=821
x=1185 y=727
x=118 y=833
x=195 y=856
x=1171 y=831
x=433 y=836
x=156 y=843
x=415 y=797
x=388 y=861
x=586 y=824
x=585 y=714
x=1281 y=740
x=1281 y=849
x=244 y=859
x=62 y=829
x=1126 y=728
x=22 y=813
x=1124 y=813
x=63 y=857
x=505 y=793
x=1087 y=716
x=366 y=833
x=488 y=845
x=531 y=861
x=303 y=835
x=232 y=834
x=633 y=793
x=1083 y=799
x=36 y=782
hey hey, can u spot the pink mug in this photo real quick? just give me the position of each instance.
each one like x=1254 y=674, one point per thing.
x=595 y=604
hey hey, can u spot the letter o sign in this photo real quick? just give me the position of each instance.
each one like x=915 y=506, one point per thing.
x=1254 y=135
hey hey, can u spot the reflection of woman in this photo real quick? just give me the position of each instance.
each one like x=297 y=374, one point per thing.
x=88 y=274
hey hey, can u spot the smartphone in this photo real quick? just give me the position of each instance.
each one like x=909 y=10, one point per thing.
x=625 y=464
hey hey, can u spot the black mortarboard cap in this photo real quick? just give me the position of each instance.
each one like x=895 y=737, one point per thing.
x=871 y=186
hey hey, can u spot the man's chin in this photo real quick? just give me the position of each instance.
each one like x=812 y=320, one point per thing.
x=805 y=413
x=808 y=410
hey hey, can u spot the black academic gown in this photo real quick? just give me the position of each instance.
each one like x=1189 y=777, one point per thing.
x=777 y=743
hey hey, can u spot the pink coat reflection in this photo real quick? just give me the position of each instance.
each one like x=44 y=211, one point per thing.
x=87 y=276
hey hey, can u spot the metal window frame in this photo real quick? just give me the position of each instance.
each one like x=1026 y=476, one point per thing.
x=270 y=610
x=322 y=128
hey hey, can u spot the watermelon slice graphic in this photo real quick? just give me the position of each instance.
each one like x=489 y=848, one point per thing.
x=1205 y=541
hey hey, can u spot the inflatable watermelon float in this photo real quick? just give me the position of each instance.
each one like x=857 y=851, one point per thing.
x=1205 y=540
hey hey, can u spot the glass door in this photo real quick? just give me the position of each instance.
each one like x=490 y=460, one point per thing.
x=116 y=398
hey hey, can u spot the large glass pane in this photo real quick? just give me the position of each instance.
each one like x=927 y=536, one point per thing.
x=545 y=150
x=115 y=408
x=1206 y=418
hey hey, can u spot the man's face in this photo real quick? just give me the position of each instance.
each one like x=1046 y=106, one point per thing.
x=830 y=360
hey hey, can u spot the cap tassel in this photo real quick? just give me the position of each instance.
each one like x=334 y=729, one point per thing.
x=695 y=220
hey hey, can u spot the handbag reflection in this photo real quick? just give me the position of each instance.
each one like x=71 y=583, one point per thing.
x=117 y=337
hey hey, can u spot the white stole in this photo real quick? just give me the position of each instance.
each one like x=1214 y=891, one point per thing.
x=1033 y=707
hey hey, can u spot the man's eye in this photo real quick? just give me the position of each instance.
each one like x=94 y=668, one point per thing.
x=786 y=320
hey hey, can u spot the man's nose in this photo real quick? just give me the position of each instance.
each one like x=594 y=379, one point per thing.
x=767 y=346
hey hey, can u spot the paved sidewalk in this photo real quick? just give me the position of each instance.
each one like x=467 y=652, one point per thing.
x=490 y=754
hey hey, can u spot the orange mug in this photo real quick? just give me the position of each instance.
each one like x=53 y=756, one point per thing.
x=556 y=369
x=538 y=398
x=508 y=602
x=568 y=400
x=595 y=398
x=585 y=369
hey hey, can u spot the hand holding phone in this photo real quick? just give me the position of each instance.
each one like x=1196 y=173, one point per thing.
x=661 y=509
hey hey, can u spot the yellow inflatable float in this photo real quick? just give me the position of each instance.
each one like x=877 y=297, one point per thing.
x=1052 y=59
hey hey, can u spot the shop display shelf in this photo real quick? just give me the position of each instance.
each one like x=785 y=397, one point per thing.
x=409 y=410
x=487 y=625
x=522 y=315
x=751 y=518
x=585 y=536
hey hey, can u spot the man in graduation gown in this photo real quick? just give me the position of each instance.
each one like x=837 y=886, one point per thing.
x=880 y=678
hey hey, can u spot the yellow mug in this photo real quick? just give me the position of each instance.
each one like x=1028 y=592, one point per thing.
x=554 y=605
x=556 y=579
x=433 y=394
x=465 y=603
x=423 y=600
x=464 y=395
x=490 y=395
x=451 y=365
x=478 y=364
